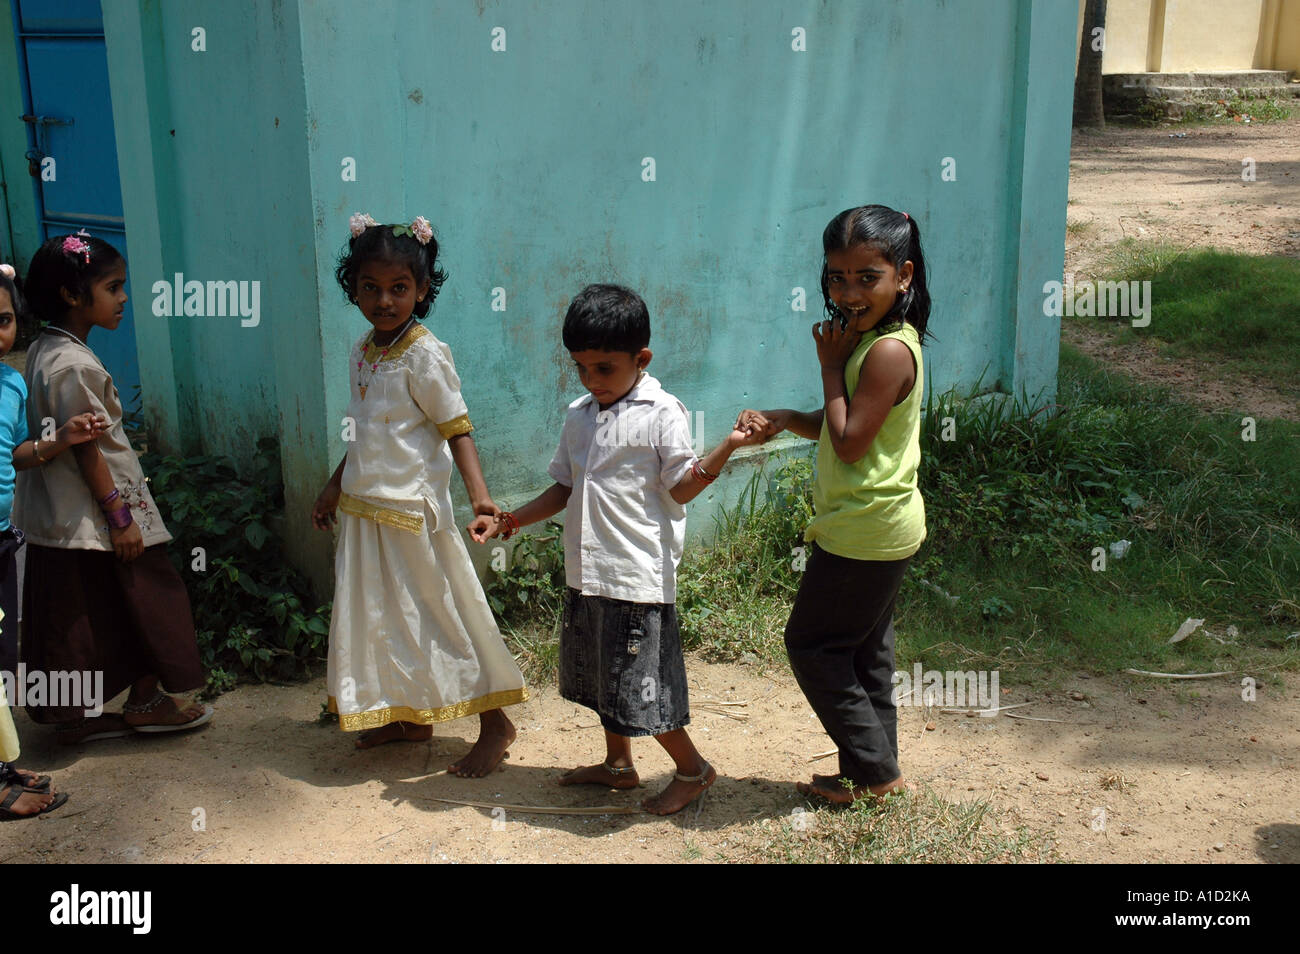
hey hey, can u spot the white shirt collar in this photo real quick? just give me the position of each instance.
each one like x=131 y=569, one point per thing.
x=646 y=391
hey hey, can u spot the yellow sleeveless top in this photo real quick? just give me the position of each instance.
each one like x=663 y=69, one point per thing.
x=871 y=509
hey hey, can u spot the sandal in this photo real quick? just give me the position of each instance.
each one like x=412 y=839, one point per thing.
x=28 y=780
x=107 y=726
x=140 y=708
x=16 y=792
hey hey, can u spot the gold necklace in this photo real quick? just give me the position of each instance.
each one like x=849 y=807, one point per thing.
x=383 y=354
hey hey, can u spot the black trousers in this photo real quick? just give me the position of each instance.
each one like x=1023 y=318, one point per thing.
x=840 y=638
x=11 y=541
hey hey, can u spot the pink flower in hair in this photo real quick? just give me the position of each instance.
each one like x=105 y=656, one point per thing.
x=359 y=222
x=75 y=246
x=422 y=230
x=7 y=270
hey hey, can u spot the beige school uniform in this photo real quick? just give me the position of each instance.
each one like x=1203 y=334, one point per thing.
x=412 y=637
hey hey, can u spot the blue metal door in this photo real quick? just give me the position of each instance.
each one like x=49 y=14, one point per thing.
x=69 y=116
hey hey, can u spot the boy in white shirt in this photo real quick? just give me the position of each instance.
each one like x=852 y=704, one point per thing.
x=625 y=469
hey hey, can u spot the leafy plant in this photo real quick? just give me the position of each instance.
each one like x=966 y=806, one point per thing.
x=532 y=584
x=254 y=614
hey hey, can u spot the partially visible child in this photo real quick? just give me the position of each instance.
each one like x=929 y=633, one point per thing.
x=624 y=470
x=19 y=453
x=23 y=794
x=101 y=594
x=412 y=638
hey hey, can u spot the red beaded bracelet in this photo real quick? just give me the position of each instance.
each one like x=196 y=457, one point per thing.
x=510 y=522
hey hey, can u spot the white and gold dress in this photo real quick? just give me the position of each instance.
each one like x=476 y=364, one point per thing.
x=412 y=637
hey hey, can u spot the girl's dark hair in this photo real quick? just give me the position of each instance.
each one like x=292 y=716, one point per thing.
x=379 y=243
x=53 y=269
x=607 y=318
x=898 y=239
x=15 y=296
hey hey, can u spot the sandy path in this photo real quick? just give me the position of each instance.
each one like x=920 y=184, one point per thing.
x=1199 y=772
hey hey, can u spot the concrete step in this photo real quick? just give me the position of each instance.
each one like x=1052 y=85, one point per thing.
x=1171 y=94
x=1211 y=94
x=1218 y=78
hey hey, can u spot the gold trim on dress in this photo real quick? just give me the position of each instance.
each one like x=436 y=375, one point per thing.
x=457 y=425
x=371 y=351
x=377 y=718
x=368 y=511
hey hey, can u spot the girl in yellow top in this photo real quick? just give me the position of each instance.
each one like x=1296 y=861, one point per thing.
x=870 y=518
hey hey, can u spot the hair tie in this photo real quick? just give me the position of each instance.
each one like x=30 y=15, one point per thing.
x=419 y=229
x=72 y=245
x=906 y=216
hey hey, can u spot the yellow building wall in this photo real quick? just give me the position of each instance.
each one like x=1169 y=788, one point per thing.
x=1211 y=35
x=1181 y=36
x=1286 y=49
x=1128 y=32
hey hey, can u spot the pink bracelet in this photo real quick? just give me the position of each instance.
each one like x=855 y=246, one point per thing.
x=120 y=518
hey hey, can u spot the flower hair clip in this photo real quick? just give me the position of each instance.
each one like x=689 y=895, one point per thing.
x=359 y=222
x=420 y=230
x=7 y=270
x=73 y=245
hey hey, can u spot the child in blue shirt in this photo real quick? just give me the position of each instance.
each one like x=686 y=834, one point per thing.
x=22 y=794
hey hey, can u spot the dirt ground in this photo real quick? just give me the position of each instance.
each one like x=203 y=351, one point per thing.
x=1149 y=185
x=1134 y=771
x=1194 y=775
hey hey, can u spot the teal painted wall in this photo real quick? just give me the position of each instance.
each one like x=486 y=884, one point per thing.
x=529 y=164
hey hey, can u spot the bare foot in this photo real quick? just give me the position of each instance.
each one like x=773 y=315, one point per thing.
x=831 y=789
x=679 y=794
x=28 y=803
x=494 y=738
x=602 y=775
x=395 y=732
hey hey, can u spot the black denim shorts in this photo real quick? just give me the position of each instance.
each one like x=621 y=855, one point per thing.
x=624 y=660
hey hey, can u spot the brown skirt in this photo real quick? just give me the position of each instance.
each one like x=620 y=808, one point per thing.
x=87 y=611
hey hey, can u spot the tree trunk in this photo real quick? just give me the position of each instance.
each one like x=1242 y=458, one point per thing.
x=1087 y=79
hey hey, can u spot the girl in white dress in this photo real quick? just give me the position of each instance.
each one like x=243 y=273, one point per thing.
x=412 y=640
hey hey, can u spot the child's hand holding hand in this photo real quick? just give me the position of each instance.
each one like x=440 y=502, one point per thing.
x=322 y=512
x=80 y=429
x=748 y=431
x=484 y=527
x=765 y=423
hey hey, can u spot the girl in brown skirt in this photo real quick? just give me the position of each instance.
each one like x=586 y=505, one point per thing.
x=102 y=604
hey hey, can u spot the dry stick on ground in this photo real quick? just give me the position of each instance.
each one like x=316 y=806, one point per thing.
x=717 y=708
x=1177 y=675
x=1017 y=715
x=540 y=809
x=1018 y=705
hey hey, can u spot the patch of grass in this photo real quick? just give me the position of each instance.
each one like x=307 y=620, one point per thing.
x=1238 y=110
x=1239 y=309
x=1079 y=229
x=915 y=828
